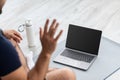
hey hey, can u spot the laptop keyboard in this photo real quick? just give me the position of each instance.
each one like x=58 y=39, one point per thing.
x=77 y=56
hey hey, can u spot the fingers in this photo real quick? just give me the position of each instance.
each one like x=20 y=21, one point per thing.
x=41 y=33
x=16 y=36
x=53 y=28
x=58 y=36
x=56 y=26
x=53 y=24
x=46 y=26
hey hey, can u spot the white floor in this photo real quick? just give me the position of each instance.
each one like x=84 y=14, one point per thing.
x=98 y=14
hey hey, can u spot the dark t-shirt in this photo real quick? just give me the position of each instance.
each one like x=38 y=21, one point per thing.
x=9 y=60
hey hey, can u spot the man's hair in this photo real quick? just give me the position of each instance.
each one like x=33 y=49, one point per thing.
x=0 y=11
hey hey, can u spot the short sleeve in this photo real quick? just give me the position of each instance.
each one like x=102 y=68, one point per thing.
x=9 y=60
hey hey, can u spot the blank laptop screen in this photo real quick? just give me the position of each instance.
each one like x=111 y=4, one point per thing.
x=83 y=39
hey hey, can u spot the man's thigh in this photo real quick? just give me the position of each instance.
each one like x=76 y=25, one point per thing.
x=60 y=74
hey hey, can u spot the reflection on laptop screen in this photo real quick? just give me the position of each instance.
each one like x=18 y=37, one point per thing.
x=83 y=39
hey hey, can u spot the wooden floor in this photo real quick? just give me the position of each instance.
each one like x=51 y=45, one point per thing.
x=98 y=14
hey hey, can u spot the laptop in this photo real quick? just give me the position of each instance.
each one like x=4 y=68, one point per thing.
x=82 y=47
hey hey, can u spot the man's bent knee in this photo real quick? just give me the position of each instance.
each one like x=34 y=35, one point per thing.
x=61 y=74
x=68 y=74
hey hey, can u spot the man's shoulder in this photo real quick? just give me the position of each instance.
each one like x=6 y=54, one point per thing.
x=9 y=60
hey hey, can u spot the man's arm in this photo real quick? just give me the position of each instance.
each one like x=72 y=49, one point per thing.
x=20 y=54
x=41 y=67
x=12 y=34
x=18 y=74
x=48 y=46
x=15 y=38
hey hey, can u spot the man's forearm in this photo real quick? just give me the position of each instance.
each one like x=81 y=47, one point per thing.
x=48 y=42
x=41 y=68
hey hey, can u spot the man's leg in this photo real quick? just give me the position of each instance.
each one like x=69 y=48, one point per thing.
x=60 y=74
x=52 y=69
